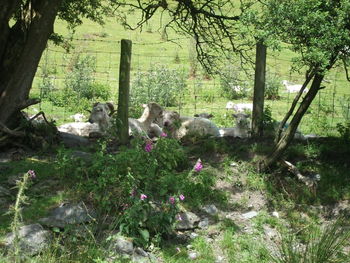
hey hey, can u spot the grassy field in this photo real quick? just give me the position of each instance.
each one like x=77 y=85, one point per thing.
x=229 y=178
x=151 y=47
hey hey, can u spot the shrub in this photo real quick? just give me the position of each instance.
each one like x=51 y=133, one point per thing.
x=231 y=85
x=141 y=188
x=159 y=84
x=80 y=89
x=272 y=86
x=344 y=131
x=116 y=182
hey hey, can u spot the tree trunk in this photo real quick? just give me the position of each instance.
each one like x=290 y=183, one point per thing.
x=288 y=136
x=259 y=90
x=21 y=47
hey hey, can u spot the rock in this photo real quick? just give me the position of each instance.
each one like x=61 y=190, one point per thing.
x=33 y=239
x=4 y=192
x=193 y=255
x=141 y=252
x=219 y=259
x=233 y=164
x=250 y=215
x=121 y=245
x=275 y=214
x=189 y=221
x=210 y=209
x=204 y=223
x=193 y=235
x=141 y=256
x=68 y=214
x=271 y=233
x=72 y=141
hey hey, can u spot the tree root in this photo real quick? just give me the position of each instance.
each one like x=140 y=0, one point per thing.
x=294 y=170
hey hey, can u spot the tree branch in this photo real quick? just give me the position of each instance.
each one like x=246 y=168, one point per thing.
x=294 y=104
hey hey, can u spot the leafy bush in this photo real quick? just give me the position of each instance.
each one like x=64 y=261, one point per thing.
x=344 y=131
x=231 y=84
x=272 y=86
x=142 y=187
x=80 y=89
x=159 y=84
x=118 y=182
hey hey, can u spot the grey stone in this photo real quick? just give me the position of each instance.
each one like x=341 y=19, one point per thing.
x=139 y=251
x=189 y=221
x=32 y=239
x=250 y=214
x=193 y=235
x=219 y=259
x=193 y=255
x=71 y=140
x=68 y=214
x=4 y=192
x=210 y=209
x=121 y=245
x=204 y=223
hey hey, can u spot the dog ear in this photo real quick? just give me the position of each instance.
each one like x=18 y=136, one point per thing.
x=210 y=116
x=111 y=108
x=95 y=104
x=235 y=115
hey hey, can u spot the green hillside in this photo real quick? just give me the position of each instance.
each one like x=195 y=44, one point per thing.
x=152 y=46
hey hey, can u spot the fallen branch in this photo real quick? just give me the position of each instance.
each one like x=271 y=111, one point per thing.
x=293 y=169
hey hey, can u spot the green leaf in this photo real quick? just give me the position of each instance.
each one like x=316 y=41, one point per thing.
x=145 y=234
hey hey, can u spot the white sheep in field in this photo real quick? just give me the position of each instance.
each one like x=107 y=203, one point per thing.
x=78 y=117
x=178 y=126
x=242 y=128
x=101 y=112
x=239 y=107
x=293 y=88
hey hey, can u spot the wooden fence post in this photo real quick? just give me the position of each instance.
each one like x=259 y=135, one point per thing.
x=124 y=90
x=259 y=90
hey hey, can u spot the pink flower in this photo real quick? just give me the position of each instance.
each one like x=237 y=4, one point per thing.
x=172 y=200
x=143 y=196
x=163 y=134
x=31 y=174
x=182 y=197
x=178 y=250
x=198 y=166
x=148 y=146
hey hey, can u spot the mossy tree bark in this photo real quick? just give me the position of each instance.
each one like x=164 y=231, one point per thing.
x=21 y=47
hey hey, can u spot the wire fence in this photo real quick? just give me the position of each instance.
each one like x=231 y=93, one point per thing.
x=201 y=94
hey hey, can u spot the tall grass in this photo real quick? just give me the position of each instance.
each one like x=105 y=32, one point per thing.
x=322 y=245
